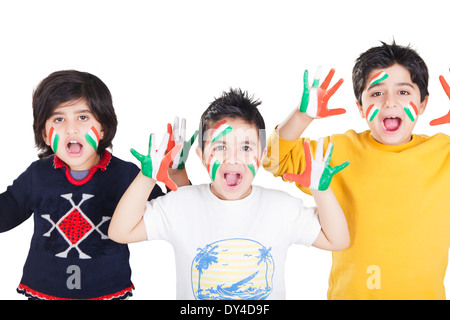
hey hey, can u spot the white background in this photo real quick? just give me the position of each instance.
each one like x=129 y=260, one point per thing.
x=167 y=58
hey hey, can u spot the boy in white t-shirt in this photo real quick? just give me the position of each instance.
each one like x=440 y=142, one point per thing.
x=230 y=237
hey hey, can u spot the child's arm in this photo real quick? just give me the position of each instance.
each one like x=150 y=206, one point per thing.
x=334 y=235
x=446 y=118
x=15 y=205
x=317 y=177
x=127 y=224
x=284 y=148
x=313 y=105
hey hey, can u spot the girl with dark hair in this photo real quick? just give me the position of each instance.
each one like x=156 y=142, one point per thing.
x=72 y=190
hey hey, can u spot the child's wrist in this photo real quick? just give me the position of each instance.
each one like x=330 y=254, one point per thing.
x=316 y=192
x=303 y=116
x=146 y=178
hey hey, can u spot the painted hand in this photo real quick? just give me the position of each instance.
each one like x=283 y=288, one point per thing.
x=156 y=163
x=177 y=135
x=446 y=118
x=318 y=173
x=315 y=99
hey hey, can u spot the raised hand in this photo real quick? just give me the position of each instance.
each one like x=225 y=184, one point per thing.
x=446 y=118
x=177 y=135
x=156 y=163
x=318 y=172
x=315 y=99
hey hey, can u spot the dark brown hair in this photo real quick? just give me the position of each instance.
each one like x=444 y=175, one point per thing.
x=385 y=56
x=235 y=104
x=69 y=85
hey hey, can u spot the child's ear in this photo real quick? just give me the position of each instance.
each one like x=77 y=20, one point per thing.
x=199 y=153
x=360 y=108
x=423 y=105
x=264 y=153
x=45 y=137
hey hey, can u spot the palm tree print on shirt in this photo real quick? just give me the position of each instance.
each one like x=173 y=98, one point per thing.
x=232 y=269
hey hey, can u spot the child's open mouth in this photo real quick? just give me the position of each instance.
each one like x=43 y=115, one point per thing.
x=74 y=147
x=391 y=124
x=232 y=179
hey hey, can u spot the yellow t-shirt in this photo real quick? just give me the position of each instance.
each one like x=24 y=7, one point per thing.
x=397 y=203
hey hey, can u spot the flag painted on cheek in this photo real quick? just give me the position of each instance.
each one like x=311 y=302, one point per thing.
x=213 y=166
x=92 y=137
x=221 y=129
x=54 y=139
x=378 y=77
x=254 y=166
x=372 y=112
x=411 y=111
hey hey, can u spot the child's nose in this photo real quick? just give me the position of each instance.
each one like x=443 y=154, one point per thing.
x=390 y=101
x=231 y=157
x=71 y=128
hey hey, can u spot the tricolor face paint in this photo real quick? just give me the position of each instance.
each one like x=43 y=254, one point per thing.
x=53 y=138
x=221 y=129
x=213 y=166
x=399 y=104
x=72 y=132
x=411 y=111
x=254 y=166
x=372 y=112
x=92 y=138
x=377 y=78
x=232 y=159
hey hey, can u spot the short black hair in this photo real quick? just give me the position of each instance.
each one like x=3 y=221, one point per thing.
x=70 y=85
x=385 y=56
x=234 y=104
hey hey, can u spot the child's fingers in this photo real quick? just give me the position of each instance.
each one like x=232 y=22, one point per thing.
x=445 y=86
x=164 y=143
x=329 y=152
x=333 y=112
x=137 y=155
x=171 y=185
x=333 y=89
x=317 y=77
x=340 y=167
x=183 y=129
x=308 y=155
x=172 y=154
x=176 y=127
x=171 y=142
x=150 y=139
x=291 y=177
x=327 y=80
x=162 y=174
x=441 y=120
x=319 y=150
x=302 y=179
x=305 y=80
x=194 y=136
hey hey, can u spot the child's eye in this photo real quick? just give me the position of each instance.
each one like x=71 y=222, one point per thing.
x=83 y=118
x=220 y=148
x=376 y=94
x=403 y=92
x=246 y=148
x=58 y=119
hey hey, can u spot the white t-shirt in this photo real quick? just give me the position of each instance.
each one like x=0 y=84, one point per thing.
x=230 y=249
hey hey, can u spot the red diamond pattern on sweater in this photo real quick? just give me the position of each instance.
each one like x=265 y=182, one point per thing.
x=74 y=226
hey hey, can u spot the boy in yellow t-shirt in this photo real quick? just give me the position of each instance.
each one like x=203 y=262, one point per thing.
x=395 y=191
